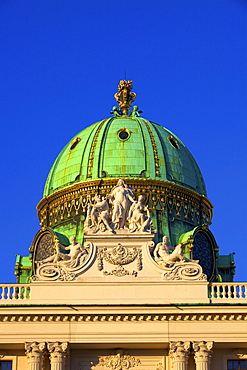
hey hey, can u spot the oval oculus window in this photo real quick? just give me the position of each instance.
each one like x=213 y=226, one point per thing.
x=75 y=142
x=123 y=134
x=173 y=142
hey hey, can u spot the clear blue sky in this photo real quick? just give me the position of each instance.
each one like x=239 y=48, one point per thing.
x=60 y=66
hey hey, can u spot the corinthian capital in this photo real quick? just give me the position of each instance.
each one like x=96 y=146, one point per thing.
x=58 y=351
x=179 y=351
x=35 y=351
x=203 y=351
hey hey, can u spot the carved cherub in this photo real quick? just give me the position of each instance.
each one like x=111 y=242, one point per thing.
x=136 y=112
x=116 y=111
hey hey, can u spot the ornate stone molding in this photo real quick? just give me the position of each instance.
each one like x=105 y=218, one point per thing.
x=119 y=256
x=122 y=317
x=179 y=353
x=202 y=354
x=174 y=199
x=35 y=355
x=119 y=361
x=58 y=354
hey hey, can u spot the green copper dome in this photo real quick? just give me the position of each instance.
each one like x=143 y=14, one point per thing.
x=128 y=147
x=119 y=166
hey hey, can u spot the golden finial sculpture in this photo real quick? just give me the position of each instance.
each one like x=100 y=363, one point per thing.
x=125 y=97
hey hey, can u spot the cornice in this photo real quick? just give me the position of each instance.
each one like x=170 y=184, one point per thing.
x=122 y=317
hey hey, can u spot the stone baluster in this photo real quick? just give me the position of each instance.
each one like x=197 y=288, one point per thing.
x=179 y=353
x=58 y=353
x=35 y=355
x=203 y=354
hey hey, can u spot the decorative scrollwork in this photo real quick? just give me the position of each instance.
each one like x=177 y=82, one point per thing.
x=184 y=271
x=119 y=361
x=120 y=271
x=65 y=270
x=52 y=272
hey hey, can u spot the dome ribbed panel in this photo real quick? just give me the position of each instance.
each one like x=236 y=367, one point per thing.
x=123 y=157
x=147 y=153
x=181 y=167
x=70 y=166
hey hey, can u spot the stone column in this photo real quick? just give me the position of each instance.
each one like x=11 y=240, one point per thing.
x=179 y=353
x=203 y=354
x=58 y=353
x=35 y=355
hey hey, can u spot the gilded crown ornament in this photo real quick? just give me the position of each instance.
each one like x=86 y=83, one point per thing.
x=125 y=97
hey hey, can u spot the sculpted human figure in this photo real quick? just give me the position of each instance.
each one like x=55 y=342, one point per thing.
x=137 y=218
x=163 y=256
x=121 y=196
x=75 y=250
x=162 y=250
x=100 y=212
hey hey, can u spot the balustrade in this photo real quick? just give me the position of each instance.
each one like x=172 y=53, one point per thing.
x=228 y=291
x=14 y=292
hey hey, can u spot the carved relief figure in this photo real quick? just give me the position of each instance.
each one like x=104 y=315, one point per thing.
x=75 y=249
x=121 y=196
x=138 y=220
x=163 y=256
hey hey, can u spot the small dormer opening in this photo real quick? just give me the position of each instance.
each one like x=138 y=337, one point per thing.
x=173 y=142
x=75 y=142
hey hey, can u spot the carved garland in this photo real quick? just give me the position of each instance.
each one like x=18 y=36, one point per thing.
x=119 y=256
x=177 y=201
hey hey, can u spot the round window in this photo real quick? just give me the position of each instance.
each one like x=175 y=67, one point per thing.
x=123 y=134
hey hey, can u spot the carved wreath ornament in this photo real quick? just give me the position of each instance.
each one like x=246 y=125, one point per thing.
x=119 y=256
x=119 y=361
